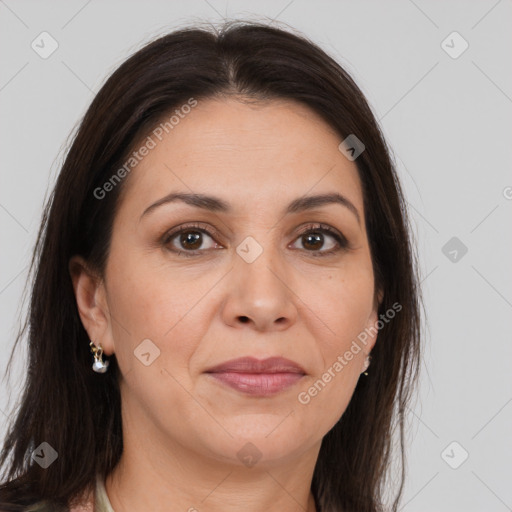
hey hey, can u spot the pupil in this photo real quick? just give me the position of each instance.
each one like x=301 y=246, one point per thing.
x=190 y=238
x=314 y=237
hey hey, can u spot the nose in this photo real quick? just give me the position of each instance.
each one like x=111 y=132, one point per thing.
x=259 y=294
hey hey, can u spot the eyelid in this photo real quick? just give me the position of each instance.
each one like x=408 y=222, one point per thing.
x=210 y=231
x=320 y=226
x=341 y=240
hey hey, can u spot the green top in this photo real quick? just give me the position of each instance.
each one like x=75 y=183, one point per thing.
x=101 y=502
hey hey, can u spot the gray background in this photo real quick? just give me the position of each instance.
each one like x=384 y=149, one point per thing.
x=449 y=123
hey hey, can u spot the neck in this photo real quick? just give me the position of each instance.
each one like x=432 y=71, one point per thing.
x=175 y=478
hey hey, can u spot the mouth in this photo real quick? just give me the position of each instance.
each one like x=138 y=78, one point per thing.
x=258 y=377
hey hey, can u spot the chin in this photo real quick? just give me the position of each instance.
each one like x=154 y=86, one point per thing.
x=265 y=441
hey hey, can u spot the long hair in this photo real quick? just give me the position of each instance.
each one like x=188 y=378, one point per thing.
x=77 y=411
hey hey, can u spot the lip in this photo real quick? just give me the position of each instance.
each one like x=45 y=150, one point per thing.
x=253 y=365
x=258 y=377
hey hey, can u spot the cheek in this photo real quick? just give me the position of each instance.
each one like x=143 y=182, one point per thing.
x=340 y=310
x=340 y=303
x=147 y=304
x=324 y=400
x=328 y=391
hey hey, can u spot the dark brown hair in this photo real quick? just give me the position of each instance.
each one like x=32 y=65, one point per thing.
x=76 y=410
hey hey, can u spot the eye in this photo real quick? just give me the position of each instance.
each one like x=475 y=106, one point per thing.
x=313 y=238
x=188 y=240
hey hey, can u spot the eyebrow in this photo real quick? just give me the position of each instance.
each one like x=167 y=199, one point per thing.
x=215 y=204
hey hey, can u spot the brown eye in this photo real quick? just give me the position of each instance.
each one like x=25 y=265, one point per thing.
x=316 y=240
x=322 y=240
x=313 y=241
x=190 y=240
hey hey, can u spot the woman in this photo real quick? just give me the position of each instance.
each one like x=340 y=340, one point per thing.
x=227 y=245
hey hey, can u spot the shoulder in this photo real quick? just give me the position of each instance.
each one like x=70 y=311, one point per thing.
x=17 y=499
x=42 y=506
x=45 y=506
x=86 y=505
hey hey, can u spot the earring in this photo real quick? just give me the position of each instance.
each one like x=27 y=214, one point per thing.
x=99 y=365
x=366 y=364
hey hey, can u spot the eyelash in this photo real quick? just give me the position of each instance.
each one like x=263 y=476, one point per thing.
x=309 y=228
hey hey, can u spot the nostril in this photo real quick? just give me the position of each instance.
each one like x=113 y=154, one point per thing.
x=244 y=319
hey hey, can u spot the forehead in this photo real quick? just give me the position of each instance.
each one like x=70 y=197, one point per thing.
x=265 y=153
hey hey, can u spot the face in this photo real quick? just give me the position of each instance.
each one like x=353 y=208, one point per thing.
x=247 y=277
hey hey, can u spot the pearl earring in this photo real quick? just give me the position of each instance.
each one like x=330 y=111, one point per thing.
x=99 y=365
x=366 y=364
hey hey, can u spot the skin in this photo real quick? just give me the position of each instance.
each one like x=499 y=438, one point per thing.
x=182 y=429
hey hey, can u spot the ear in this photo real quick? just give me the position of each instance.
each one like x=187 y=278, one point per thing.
x=90 y=295
x=379 y=297
x=371 y=326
